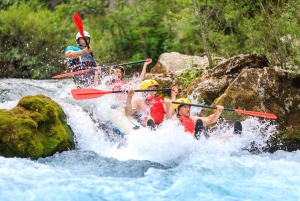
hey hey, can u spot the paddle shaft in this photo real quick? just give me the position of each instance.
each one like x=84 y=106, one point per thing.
x=143 y=90
x=129 y=63
x=90 y=93
x=89 y=70
x=252 y=113
x=78 y=22
x=87 y=44
x=204 y=106
x=124 y=64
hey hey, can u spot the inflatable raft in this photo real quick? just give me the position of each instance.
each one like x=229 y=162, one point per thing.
x=120 y=122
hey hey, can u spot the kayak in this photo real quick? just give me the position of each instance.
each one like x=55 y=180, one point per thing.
x=120 y=122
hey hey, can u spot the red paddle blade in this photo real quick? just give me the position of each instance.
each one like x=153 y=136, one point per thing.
x=78 y=22
x=88 y=93
x=257 y=114
x=72 y=73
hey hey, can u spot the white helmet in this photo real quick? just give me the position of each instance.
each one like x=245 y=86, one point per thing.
x=86 y=34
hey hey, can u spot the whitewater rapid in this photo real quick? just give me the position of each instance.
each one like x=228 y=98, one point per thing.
x=163 y=165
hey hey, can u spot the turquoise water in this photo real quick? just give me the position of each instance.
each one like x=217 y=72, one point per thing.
x=162 y=165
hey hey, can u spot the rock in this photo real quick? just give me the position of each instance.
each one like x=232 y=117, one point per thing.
x=170 y=66
x=270 y=90
x=214 y=82
x=175 y=63
x=36 y=127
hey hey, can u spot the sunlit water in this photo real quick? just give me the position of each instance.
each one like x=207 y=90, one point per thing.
x=163 y=165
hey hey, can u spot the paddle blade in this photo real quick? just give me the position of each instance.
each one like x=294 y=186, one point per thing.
x=78 y=22
x=88 y=93
x=257 y=114
x=72 y=73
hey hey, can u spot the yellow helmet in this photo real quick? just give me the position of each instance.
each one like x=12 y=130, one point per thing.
x=148 y=83
x=116 y=67
x=182 y=100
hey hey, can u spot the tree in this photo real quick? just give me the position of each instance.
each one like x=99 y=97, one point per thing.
x=203 y=30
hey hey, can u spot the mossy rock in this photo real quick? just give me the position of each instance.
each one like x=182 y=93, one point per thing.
x=36 y=127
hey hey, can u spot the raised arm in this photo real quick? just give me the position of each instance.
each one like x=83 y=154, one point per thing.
x=211 y=118
x=143 y=73
x=174 y=92
x=169 y=108
x=96 y=75
x=128 y=107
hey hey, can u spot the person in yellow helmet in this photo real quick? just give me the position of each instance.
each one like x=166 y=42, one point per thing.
x=150 y=109
x=195 y=125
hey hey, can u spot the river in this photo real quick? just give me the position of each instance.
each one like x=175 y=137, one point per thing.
x=163 y=165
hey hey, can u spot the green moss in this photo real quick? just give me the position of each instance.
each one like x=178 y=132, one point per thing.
x=229 y=114
x=282 y=134
x=189 y=75
x=285 y=141
x=37 y=117
x=294 y=135
x=36 y=127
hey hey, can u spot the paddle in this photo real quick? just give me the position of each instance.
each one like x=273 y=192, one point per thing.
x=89 y=70
x=71 y=73
x=89 y=93
x=252 y=113
x=78 y=22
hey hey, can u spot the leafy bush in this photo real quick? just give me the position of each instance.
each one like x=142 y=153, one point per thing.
x=189 y=75
x=33 y=41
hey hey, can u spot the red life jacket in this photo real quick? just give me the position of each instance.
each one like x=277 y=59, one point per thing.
x=118 y=84
x=188 y=124
x=157 y=110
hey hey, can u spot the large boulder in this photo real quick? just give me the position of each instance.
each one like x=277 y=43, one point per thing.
x=36 y=127
x=175 y=63
x=270 y=90
x=248 y=82
x=170 y=67
x=214 y=82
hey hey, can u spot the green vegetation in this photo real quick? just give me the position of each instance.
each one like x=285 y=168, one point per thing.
x=189 y=75
x=35 y=33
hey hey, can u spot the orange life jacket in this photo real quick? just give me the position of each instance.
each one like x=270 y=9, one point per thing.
x=188 y=124
x=157 y=110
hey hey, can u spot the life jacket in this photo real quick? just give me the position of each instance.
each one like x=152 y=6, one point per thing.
x=118 y=85
x=83 y=62
x=157 y=110
x=188 y=124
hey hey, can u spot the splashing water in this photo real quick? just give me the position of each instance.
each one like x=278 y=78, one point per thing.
x=167 y=164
